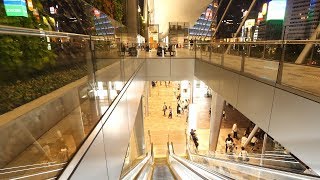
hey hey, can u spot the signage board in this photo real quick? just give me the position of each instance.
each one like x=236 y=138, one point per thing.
x=15 y=8
x=276 y=10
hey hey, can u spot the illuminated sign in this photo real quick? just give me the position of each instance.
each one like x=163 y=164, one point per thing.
x=249 y=23
x=264 y=9
x=260 y=17
x=15 y=8
x=276 y=10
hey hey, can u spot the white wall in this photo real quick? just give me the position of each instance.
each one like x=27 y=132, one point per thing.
x=170 y=69
x=288 y=118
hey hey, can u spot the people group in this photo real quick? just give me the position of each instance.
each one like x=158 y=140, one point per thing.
x=182 y=105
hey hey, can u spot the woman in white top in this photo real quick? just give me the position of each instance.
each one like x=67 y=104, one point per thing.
x=243 y=155
x=235 y=130
x=243 y=140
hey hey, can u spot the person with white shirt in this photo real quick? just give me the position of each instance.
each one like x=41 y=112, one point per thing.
x=244 y=140
x=235 y=130
x=243 y=155
x=253 y=142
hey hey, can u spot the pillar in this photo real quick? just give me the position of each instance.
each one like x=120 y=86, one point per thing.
x=217 y=104
x=191 y=90
x=139 y=131
x=146 y=96
x=265 y=137
x=251 y=135
x=306 y=50
x=132 y=20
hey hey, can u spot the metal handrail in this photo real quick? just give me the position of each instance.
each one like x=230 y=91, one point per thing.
x=11 y=30
x=172 y=154
x=252 y=156
x=29 y=165
x=31 y=168
x=272 y=170
x=36 y=174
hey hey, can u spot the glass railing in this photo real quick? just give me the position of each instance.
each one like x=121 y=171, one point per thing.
x=293 y=63
x=55 y=88
x=268 y=166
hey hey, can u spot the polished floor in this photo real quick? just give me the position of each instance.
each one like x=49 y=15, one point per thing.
x=163 y=130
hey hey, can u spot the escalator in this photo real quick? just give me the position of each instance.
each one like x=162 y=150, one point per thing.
x=161 y=169
x=171 y=167
x=232 y=168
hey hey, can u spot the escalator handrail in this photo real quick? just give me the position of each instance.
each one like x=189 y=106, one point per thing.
x=271 y=170
x=304 y=176
x=257 y=157
x=187 y=163
x=284 y=170
x=149 y=162
x=134 y=172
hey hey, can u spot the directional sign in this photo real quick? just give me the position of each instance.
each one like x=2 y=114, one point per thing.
x=15 y=8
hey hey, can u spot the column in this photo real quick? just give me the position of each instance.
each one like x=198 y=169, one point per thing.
x=132 y=20
x=263 y=148
x=191 y=90
x=146 y=96
x=217 y=104
x=251 y=135
x=139 y=131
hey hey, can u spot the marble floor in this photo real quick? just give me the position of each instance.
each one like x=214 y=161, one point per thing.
x=163 y=130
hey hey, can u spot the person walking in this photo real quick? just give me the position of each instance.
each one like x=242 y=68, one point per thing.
x=253 y=142
x=170 y=113
x=244 y=140
x=229 y=143
x=178 y=109
x=243 y=155
x=164 y=108
x=224 y=116
x=235 y=130
x=194 y=138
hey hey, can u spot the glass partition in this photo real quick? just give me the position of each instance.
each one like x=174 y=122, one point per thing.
x=233 y=166
x=61 y=67
x=290 y=63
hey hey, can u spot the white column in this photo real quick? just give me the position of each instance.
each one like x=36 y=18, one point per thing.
x=265 y=136
x=251 y=135
x=191 y=91
x=217 y=104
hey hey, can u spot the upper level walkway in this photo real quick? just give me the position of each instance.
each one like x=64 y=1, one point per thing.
x=54 y=127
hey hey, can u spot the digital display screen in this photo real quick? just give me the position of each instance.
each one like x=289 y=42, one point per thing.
x=276 y=10
x=15 y=8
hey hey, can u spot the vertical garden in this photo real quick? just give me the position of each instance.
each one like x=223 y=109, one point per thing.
x=32 y=66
